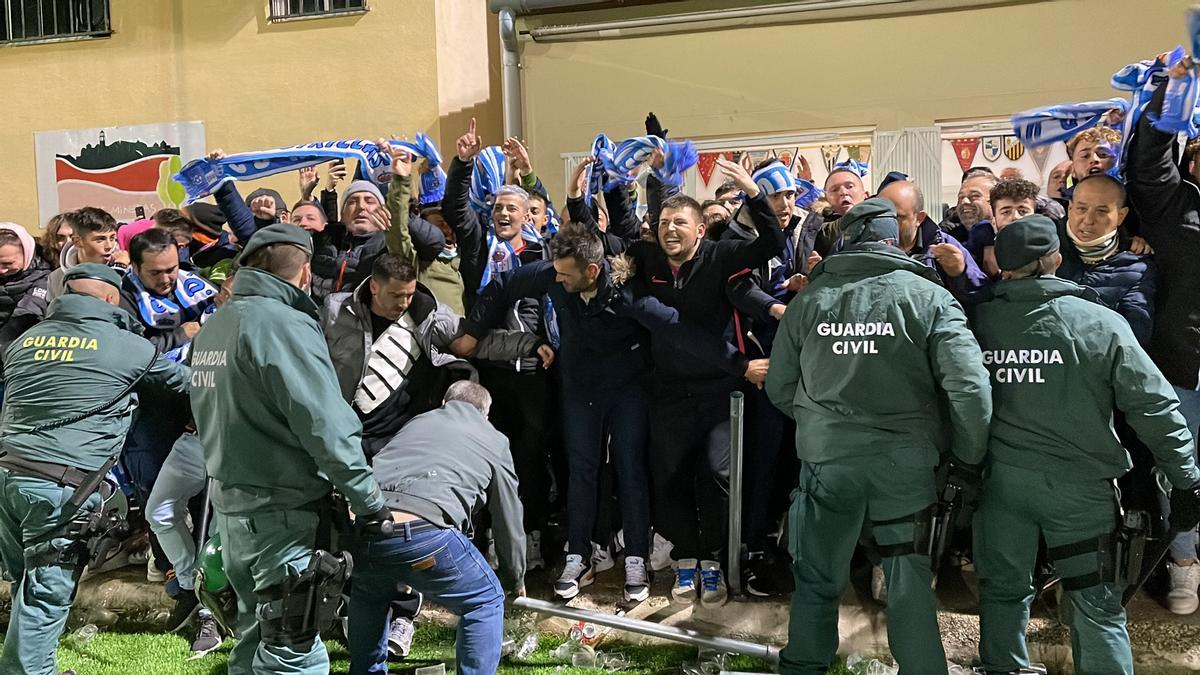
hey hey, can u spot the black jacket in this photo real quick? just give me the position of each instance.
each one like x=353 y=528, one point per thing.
x=698 y=291
x=1124 y=281
x=23 y=300
x=1168 y=209
x=471 y=235
x=605 y=342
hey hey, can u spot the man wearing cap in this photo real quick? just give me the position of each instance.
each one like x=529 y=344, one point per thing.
x=277 y=438
x=864 y=359
x=68 y=383
x=1049 y=343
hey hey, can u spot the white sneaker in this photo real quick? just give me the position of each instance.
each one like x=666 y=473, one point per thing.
x=684 y=590
x=575 y=575
x=602 y=560
x=637 y=579
x=660 y=553
x=879 y=585
x=1184 y=580
x=533 y=551
x=152 y=573
x=713 y=592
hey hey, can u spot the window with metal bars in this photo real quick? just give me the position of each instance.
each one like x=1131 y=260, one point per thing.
x=299 y=9
x=33 y=20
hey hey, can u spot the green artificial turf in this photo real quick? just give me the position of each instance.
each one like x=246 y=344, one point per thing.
x=112 y=653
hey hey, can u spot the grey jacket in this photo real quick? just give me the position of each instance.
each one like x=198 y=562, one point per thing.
x=447 y=464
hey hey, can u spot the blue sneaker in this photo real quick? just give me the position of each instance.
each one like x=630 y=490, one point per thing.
x=713 y=592
x=684 y=591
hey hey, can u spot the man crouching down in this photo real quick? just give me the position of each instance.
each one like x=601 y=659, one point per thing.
x=439 y=469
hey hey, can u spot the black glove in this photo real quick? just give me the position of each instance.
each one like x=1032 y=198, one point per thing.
x=965 y=477
x=380 y=521
x=1185 y=508
x=654 y=127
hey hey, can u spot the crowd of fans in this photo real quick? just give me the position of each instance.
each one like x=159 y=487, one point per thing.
x=623 y=439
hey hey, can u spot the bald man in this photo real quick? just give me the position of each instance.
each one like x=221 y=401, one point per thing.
x=923 y=240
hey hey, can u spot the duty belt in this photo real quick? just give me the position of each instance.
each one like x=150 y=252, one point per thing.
x=61 y=474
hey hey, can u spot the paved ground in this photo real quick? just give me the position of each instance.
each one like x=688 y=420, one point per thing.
x=1163 y=642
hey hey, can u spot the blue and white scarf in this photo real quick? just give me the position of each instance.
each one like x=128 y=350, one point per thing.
x=632 y=153
x=775 y=177
x=192 y=298
x=486 y=179
x=602 y=148
x=201 y=177
x=859 y=168
x=1052 y=124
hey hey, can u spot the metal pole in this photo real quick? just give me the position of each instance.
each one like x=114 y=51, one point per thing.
x=686 y=636
x=510 y=75
x=737 y=407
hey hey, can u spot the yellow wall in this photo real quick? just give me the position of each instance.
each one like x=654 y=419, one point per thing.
x=891 y=72
x=254 y=84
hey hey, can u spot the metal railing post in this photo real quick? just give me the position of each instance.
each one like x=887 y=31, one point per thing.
x=737 y=409
x=766 y=652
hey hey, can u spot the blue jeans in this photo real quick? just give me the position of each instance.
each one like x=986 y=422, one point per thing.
x=613 y=422
x=1184 y=546
x=447 y=569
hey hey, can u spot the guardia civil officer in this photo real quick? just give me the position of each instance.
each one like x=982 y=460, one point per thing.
x=68 y=382
x=278 y=437
x=862 y=357
x=1050 y=346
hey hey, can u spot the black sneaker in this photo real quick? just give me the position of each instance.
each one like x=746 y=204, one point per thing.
x=185 y=608
x=758 y=577
x=208 y=637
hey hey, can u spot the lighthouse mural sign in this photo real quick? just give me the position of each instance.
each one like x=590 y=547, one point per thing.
x=126 y=171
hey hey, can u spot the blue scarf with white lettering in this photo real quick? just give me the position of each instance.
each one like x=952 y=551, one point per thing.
x=1052 y=124
x=632 y=153
x=192 y=298
x=201 y=177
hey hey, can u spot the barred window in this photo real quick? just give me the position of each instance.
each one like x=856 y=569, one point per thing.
x=31 y=20
x=299 y=9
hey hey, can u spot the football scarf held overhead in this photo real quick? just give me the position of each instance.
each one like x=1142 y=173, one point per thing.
x=632 y=153
x=201 y=177
x=189 y=300
x=1045 y=126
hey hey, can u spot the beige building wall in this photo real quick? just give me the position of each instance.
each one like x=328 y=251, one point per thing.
x=888 y=72
x=255 y=84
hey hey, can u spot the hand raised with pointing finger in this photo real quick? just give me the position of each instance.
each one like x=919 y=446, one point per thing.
x=469 y=144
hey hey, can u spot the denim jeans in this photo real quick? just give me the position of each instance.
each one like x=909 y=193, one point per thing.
x=1184 y=546
x=613 y=422
x=182 y=477
x=448 y=570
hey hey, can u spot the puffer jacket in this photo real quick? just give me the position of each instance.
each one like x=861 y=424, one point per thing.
x=1124 y=281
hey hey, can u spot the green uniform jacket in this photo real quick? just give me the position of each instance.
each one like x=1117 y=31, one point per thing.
x=870 y=356
x=268 y=409
x=1059 y=364
x=83 y=354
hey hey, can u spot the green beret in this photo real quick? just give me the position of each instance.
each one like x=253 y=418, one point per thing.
x=872 y=219
x=94 y=271
x=278 y=233
x=1025 y=240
